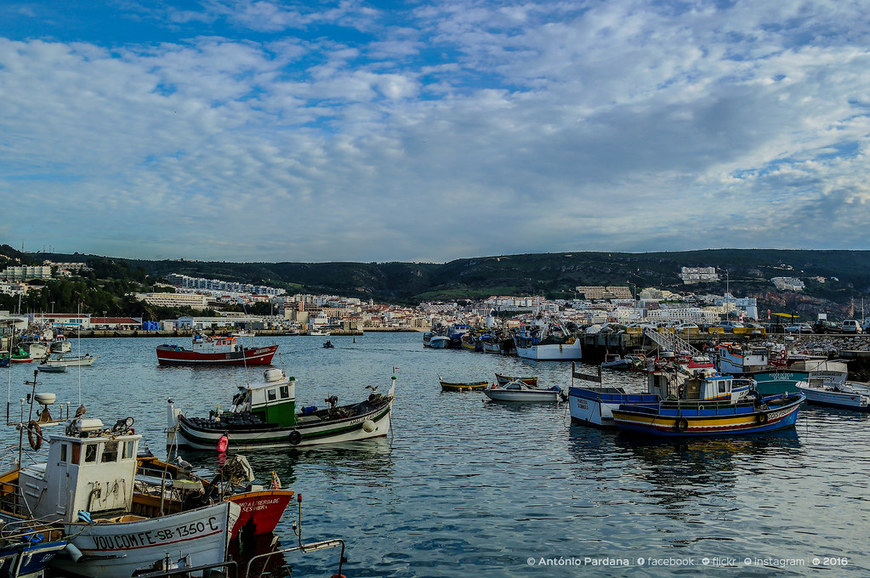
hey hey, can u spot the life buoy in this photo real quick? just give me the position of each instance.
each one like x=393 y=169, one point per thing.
x=682 y=424
x=761 y=418
x=295 y=437
x=34 y=435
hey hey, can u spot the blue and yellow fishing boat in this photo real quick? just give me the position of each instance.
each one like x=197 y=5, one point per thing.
x=710 y=405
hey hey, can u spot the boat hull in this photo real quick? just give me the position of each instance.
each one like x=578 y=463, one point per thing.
x=709 y=419
x=260 y=511
x=592 y=407
x=838 y=399
x=373 y=422
x=74 y=361
x=505 y=379
x=28 y=560
x=119 y=549
x=175 y=355
x=439 y=342
x=551 y=352
x=449 y=386
x=491 y=347
x=774 y=382
x=544 y=395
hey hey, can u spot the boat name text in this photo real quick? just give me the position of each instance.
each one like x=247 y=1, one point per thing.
x=148 y=538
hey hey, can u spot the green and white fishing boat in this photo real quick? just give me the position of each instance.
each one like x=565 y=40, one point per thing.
x=263 y=415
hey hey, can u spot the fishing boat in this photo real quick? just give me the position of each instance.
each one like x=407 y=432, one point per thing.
x=523 y=392
x=439 y=342
x=706 y=405
x=547 y=341
x=27 y=547
x=18 y=355
x=217 y=350
x=504 y=379
x=34 y=345
x=462 y=385
x=263 y=415
x=45 y=368
x=616 y=361
x=261 y=507
x=470 y=342
x=435 y=340
x=738 y=359
x=777 y=380
x=845 y=395
x=60 y=344
x=490 y=343
x=64 y=361
x=455 y=332
x=86 y=490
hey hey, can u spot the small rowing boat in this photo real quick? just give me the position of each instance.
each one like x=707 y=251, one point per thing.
x=462 y=386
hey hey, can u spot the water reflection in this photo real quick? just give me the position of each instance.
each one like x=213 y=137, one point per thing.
x=678 y=475
x=348 y=460
x=266 y=556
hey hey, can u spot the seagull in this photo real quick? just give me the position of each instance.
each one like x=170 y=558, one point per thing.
x=374 y=388
x=80 y=411
x=183 y=463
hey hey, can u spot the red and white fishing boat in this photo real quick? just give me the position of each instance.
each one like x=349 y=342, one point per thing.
x=261 y=507
x=217 y=350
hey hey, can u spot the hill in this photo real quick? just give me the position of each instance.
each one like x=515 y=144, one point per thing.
x=835 y=280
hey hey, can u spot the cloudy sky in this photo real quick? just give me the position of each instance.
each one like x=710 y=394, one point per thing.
x=430 y=130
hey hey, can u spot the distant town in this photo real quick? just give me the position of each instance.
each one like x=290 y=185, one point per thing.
x=593 y=307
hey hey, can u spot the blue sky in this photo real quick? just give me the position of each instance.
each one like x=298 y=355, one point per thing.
x=430 y=131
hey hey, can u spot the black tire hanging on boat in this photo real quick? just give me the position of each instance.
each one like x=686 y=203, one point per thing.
x=295 y=437
x=682 y=424
x=761 y=418
x=34 y=435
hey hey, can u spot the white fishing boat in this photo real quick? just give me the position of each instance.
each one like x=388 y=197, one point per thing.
x=846 y=395
x=522 y=391
x=547 y=341
x=86 y=489
x=65 y=360
x=33 y=343
x=439 y=342
x=60 y=344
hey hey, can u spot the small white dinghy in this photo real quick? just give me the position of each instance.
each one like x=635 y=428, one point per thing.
x=521 y=391
x=847 y=395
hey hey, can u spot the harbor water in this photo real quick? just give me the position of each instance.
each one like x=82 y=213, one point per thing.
x=469 y=487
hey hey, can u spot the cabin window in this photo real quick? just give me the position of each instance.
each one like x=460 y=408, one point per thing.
x=285 y=392
x=271 y=395
x=63 y=451
x=90 y=453
x=110 y=452
x=128 y=450
x=722 y=387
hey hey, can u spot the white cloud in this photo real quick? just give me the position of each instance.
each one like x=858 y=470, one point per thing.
x=260 y=131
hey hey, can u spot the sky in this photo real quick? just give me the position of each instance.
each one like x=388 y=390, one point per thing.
x=426 y=131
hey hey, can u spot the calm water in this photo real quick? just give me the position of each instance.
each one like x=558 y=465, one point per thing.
x=464 y=487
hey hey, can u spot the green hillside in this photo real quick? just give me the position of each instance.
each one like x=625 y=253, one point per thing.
x=834 y=280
